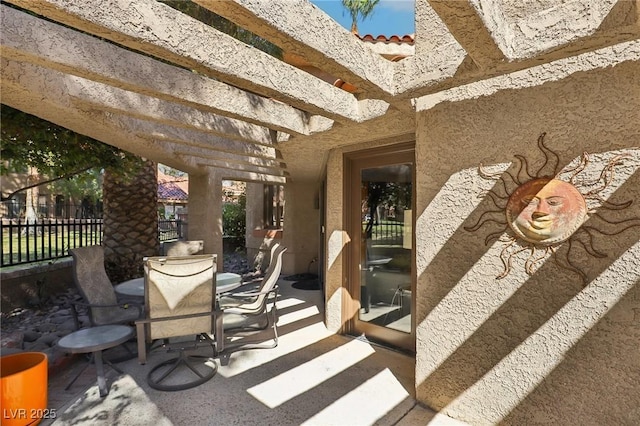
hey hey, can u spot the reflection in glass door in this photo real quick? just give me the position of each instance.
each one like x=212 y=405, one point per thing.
x=382 y=250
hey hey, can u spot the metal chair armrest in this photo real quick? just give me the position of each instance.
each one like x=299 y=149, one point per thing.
x=242 y=294
x=141 y=332
x=124 y=305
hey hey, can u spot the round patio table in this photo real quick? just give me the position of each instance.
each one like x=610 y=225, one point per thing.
x=225 y=281
x=95 y=340
x=131 y=288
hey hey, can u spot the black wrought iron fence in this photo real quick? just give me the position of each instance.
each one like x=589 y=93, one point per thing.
x=386 y=232
x=47 y=239
x=16 y=209
x=171 y=229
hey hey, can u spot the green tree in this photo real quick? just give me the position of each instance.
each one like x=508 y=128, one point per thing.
x=57 y=153
x=83 y=185
x=170 y=171
x=234 y=222
x=359 y=10
x=129 y=184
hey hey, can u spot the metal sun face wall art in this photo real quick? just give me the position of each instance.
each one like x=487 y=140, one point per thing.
x=546 y=210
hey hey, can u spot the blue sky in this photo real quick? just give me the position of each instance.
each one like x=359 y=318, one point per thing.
x=390 y=17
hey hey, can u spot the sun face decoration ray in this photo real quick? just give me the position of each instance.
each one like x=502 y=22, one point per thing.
x=547 y=210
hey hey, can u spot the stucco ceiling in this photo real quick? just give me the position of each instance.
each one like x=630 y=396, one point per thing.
x=146 y=78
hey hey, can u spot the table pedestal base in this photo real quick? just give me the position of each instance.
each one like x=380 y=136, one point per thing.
x=97 y=359
x=94 y=340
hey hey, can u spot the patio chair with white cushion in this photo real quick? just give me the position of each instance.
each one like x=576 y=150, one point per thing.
x=180 y=313
x=247 y=312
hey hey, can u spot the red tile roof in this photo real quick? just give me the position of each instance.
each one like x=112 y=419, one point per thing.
x=409 y=38
x=172 y=188
x=170 y=191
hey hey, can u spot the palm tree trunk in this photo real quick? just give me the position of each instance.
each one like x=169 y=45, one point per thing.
x=130 y=221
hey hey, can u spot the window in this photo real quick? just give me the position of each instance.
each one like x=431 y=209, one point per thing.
x=273 y=206
x=60 y=210
x=16 y=206
x=43 y=205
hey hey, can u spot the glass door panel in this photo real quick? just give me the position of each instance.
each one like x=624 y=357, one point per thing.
x=383 y=248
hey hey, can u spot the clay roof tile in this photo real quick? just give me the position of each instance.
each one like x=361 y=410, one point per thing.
x=408 y=38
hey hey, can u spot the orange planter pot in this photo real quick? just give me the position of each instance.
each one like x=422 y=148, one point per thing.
x=23 y=386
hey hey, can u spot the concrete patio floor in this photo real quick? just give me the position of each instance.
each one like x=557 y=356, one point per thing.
x=313 y=377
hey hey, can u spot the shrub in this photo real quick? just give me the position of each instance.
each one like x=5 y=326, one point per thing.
x=234 y=221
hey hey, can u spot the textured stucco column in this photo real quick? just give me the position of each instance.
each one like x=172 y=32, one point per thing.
x=257 y=243
x=205 y=213
x=301 y=227
x=336 y=239
x=540 y=348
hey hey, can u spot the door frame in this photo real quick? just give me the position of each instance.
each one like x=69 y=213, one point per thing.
x=357 y=160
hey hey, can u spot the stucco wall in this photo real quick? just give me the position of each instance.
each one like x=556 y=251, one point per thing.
x=258 y=244
x=539 y=349
x=205 y=213
x=300 y=233
x=336 y=239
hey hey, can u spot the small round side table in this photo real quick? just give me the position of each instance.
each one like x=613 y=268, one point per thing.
x=95 y=340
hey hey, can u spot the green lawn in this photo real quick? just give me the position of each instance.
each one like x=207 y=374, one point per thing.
x=22 y=248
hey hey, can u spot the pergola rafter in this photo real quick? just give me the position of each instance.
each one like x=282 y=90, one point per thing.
x=154 y=81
